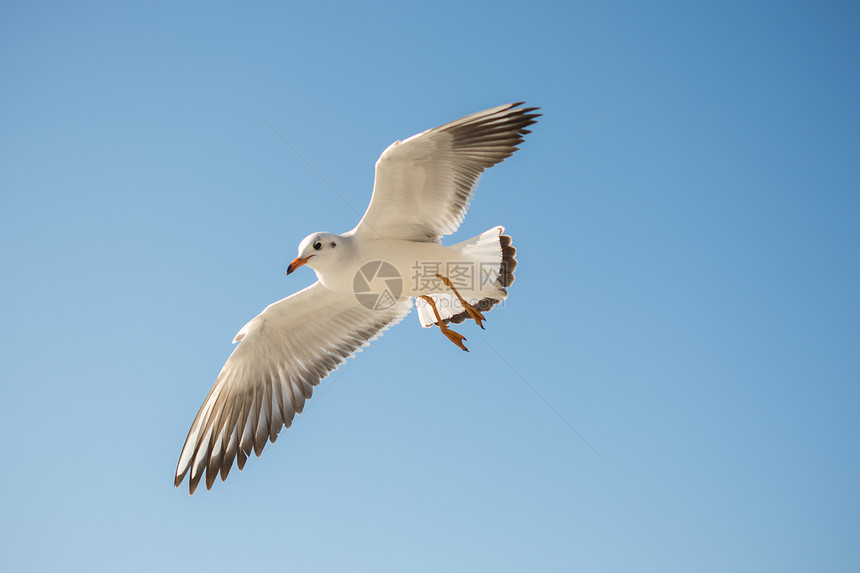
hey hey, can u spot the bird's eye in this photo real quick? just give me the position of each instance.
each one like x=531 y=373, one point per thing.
x=317 y=246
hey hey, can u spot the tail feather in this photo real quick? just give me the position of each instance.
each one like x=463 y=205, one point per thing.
x=509 y=261
x=486 y=248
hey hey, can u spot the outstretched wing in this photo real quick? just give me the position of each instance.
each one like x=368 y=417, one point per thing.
x=283 y=353
x=424 y=184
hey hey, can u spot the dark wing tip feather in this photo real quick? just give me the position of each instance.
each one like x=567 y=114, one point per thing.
x=210 y=476
x=194 y=481
x=225 y=469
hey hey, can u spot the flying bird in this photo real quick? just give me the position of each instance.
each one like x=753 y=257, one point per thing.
x=369 y=279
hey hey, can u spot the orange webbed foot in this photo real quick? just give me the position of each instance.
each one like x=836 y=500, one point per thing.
x=473 y=312
x=452 y=335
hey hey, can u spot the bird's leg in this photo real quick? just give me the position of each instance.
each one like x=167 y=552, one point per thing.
x=473 y=312
x=452 y=335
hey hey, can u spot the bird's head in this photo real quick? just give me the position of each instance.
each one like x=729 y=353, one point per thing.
x=317 y=251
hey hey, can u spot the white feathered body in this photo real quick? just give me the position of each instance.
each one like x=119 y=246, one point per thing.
x=472 y=265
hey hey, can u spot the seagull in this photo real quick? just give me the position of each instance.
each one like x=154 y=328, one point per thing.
x=368 y=279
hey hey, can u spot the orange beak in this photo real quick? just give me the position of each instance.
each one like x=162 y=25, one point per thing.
x=297 y=263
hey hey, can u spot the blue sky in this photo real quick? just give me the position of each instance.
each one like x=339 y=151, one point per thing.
x=686 y=214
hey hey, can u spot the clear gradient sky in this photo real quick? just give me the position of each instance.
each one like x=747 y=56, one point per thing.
x=687 y=214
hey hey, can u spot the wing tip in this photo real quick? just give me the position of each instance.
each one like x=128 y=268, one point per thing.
x=523 y=110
